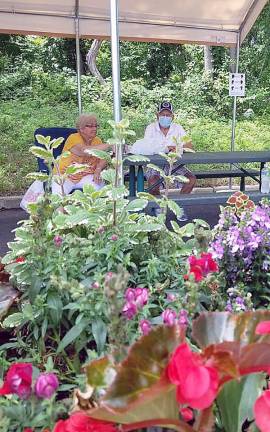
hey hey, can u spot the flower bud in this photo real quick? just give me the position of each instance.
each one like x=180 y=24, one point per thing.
x=114 y=237
x=46 y=385
x=57 y=241
x=145 y=326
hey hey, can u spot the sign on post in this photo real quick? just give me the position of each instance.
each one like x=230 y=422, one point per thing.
x=237 y=84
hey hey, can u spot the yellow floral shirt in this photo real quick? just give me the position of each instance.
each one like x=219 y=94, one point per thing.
x=91 y=161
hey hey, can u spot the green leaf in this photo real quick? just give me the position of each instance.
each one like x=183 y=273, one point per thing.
x=55 y=306
x=71 y=335
x=136 y=158
x=38 y=176
x=43 y=140
x=7 y=297
x=180 y=178
x=41 y=153
x=99 y=330
x=175 y=208
x=13 y=320
x=136 y=205
x=156 y=168
x=108 y=175
x=56 y=142
x=236 y=401
x=74 y=169
x=99 y=154
x=146 y=227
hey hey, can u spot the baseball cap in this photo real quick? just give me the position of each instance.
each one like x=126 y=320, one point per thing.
x=165 y=105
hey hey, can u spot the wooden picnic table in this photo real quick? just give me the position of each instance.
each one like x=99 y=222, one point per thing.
x=235 y=158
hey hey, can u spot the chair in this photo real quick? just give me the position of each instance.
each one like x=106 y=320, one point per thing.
x=54 y=132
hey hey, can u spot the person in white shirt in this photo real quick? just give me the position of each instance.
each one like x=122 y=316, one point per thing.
x=165 y=132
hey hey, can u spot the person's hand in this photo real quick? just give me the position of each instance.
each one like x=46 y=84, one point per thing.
x=96 y=176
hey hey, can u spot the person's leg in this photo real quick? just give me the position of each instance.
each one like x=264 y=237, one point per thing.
x=67 y=186
x=187 y=187
x=88 y=179
x=151 y=181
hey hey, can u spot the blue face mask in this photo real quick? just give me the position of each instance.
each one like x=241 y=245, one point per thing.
x=165 y=121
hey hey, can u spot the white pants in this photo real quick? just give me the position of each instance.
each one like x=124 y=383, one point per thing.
x=69 y=186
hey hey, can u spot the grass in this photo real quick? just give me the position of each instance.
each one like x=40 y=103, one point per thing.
x=19 y=119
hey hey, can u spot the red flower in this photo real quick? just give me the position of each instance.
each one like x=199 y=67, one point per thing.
x=197 y=383
x=20 y=259
x=263 y=328
x=200 y=267
x=187 y=414
x=28 y=430
x=80 y=422
x=262 y=411
x=18 y=380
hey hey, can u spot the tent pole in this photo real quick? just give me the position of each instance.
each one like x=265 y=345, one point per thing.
x=234 y=101
x=78 y=57
x=116 y=79
x=235 y=97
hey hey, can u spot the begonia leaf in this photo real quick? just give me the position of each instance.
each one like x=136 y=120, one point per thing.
x=99 y=372
x=205 y=420
x=217 y=327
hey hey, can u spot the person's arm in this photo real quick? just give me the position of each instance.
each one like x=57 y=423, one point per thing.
x=100 y=166
x=79 y=149
x=148 y=132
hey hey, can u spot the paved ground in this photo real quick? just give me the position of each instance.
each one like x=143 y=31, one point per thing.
x=10 y=218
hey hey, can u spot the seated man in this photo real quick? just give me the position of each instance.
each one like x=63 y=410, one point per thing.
x=165 y=132
x=76 y=144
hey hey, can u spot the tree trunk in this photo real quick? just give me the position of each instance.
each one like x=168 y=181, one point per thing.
x=91 y=60
x=208 y=59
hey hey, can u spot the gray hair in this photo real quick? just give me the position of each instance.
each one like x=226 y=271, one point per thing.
x=85 y=119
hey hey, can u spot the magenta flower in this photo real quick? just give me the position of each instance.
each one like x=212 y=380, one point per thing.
x=145 y=326
x=171 y=297
x=57 y=241
x=183 y=320
x=114 y=237
x=46 y=384
x=141 y=296
x=169 y=317
x=130 y=295
x=129 y=310
x=95 y=285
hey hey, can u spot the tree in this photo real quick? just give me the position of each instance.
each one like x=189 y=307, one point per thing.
x=91 y=58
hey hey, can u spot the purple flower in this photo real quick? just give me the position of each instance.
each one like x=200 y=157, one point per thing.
x=129 y=310
x=114 y=237
x=183 y=320
x=145 y=326
x=57 y=241
x=46 y=385
x=101 y=229
x=240 y=304
x=169 y=317
x=228 y=307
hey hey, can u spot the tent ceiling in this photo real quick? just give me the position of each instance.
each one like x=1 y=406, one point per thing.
x=213 y=22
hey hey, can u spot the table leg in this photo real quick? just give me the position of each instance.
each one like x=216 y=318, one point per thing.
x=132 y=181
x=140 y=179
x=262 y=165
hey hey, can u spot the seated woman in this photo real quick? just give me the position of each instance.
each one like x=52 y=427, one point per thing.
x=76 y=144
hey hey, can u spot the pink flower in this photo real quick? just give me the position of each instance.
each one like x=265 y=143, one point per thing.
x=141 y=296
x=169 y=317
x=114 y=237
x=95 y=285
x=129 y=310
x=197 y=384
x=183 y=321
x=145 y=326
x=171 y=297
x=81 y=422
x=108 y=276
x=46 y=385
x=130 y=295
x=262 y=411
x=18 y=380
x=101 y=229
x=200 y=267
x=57 y=241
x=28 y=429
x=187 y=414
x=263 y=328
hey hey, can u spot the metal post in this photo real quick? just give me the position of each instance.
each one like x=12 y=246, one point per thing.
x=116 y=79
x=234 y=102
x=78 y=56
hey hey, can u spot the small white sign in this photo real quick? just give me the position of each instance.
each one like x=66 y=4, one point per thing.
x=237 y=84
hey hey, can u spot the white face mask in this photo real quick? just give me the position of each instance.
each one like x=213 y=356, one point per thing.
x=165 y=121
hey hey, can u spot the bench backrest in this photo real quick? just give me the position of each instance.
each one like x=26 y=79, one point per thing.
x=53 y=132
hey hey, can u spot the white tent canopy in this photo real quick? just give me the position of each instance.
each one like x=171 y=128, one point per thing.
x=213 y=22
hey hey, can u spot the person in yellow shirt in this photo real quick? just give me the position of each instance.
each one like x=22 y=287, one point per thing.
x=76 y=144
